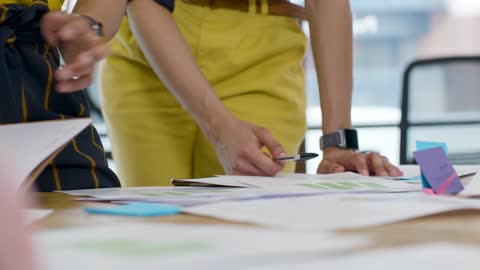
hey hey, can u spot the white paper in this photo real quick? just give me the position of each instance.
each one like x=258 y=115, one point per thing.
x=27 y=145
x=330 y=212
x=331 y=183
x=435 y=256
x=145 y=247
x=340 y=182
x=186 y=196
x=292 y=185
x=473 y=188
x=32 y=215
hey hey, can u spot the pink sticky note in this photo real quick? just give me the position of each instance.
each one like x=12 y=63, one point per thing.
x=428 y=191
x=438 y=171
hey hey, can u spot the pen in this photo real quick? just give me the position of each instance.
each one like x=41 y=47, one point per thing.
x=298 y=158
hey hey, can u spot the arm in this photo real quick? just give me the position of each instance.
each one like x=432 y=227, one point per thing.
x=238 y=144
x=108 y=12
x=331 y=37
x=80 y=46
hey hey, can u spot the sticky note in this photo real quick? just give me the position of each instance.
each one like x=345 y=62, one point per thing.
x=438 y=171
x=424 y=145
x=138 y=209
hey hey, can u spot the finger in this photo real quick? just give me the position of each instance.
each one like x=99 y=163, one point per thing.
x=327 y=166
x=266 y=138
x=337 y=168
x=75 y=27
x=51 y=23
x=376 y=164
x=72 y=71
x=72 y=85
x=359 y=162
x=391 y=169
x=84 y=63
x=244 y=168
x=264 y=164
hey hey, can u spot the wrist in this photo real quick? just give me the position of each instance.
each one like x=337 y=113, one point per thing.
x=342 y=138
x=213 y=118
x=95 y=25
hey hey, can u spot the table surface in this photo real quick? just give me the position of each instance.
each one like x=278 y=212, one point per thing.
x=462 y=227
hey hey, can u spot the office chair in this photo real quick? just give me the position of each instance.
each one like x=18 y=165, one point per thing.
x=441 y=102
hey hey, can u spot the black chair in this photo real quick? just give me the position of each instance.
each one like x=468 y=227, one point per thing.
x=441 y=102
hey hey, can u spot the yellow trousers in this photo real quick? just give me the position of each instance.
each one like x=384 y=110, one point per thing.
x=253 y=62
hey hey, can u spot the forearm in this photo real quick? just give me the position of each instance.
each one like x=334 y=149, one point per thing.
x=331 y=37
x=107 y=12
x=171 y=59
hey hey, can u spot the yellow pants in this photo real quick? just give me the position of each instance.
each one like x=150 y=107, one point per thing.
x=254 y=64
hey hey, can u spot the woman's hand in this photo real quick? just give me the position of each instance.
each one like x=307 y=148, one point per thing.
x=80 y=46
x=336 y=160
x=239 y=148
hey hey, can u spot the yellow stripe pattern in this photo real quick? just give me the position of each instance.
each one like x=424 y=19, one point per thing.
x=24 y=105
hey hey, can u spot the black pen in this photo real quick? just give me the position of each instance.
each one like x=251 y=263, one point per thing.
x=298 y=158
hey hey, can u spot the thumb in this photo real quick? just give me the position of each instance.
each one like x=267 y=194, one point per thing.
x=266 y=138
x=50 y=26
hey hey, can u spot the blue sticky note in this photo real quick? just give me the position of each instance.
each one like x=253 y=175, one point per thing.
x=424 y=145
x=438 y=171
x=139 y=209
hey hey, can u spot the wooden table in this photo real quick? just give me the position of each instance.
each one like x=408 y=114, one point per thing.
x=455 y=227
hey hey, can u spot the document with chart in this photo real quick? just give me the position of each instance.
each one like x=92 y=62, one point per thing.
x=340 y=182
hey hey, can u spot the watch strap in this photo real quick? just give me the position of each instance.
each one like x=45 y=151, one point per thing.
x=344 y=138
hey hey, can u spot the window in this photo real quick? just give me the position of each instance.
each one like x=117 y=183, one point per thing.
x=388 y=34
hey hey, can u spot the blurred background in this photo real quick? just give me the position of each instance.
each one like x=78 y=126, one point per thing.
x=389 y=34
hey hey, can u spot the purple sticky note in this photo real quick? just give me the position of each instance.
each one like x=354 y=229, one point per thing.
x=438 y=170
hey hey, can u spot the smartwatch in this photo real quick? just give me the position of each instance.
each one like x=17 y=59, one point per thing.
x=344 y=138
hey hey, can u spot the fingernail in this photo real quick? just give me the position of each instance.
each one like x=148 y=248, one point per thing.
x=364 y=172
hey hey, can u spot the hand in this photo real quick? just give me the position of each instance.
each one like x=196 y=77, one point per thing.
x=80 y=46
x=336 y=160
x=239 y=148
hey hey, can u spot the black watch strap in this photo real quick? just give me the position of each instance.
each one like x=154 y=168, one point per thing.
x=344 y=138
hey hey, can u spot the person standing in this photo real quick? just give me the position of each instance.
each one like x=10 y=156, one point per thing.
x=35 y=89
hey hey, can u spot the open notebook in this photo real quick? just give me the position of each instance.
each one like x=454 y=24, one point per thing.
x=30 y=147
